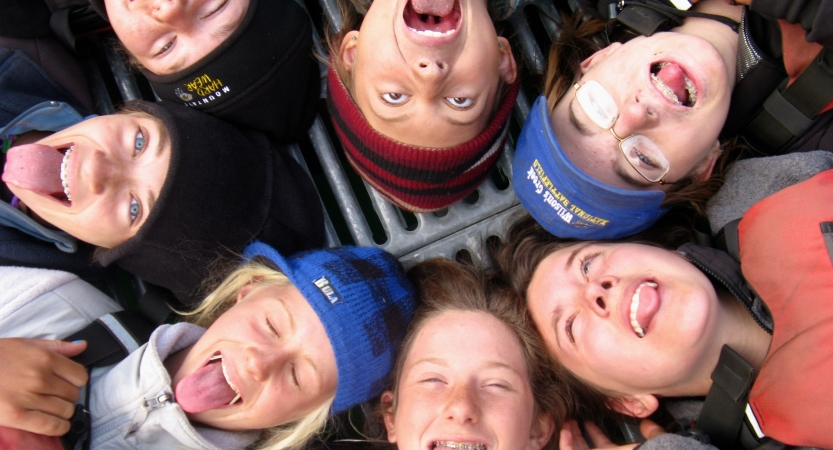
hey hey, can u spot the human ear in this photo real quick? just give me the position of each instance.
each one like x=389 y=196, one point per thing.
x=704 y=170
x=640 y=406
x=246 y=290
x=506 y=62
x=541 y=432
x=347 y=53
x=598 y=57
x=387 y=412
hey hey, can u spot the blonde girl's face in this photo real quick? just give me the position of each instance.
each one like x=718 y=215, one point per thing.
x=272 y=350
x=475 y=392
x=414 y=72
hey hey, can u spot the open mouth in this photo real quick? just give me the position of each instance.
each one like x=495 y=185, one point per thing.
x=42 y=169
x=207 y=388
x=457 y=445
x=673 y=83
x=219 y=357
x=647 y=311
x=433 y=18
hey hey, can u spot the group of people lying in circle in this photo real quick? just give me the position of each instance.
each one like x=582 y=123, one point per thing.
x=652 y=252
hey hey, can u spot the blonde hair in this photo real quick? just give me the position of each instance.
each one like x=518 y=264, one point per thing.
x=291 y=436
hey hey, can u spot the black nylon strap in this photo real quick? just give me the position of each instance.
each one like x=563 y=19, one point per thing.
x=723 y=412
x=103 y=347
x=827 y=233
x=789 y=114
x=727 y=239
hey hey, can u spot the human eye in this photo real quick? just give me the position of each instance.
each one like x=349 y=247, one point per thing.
x=139 y=142
x=165 y=47
x=135 y=209
x=644 y=159
x=460 y=103
x=584 y=263
x=395 y=98
x=294 y=376
x=568 y=328
x=272 y=328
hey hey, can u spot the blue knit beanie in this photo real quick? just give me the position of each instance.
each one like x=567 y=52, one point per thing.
x=364 y=301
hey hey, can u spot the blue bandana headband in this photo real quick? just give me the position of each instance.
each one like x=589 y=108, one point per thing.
x=566 y=201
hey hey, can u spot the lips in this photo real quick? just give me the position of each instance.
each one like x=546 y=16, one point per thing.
x=639 y=305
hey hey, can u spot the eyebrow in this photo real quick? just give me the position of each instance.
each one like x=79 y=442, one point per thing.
x=151 y=202
x=625 y=175
x=583 y=130
x=573 y=255
x=315 y=370
x=288 y=315
x=556 y=317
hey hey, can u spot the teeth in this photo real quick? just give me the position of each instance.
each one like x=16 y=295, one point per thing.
x=459 y=445
x=635 y=307
x=64 y=173
x=225 y=375
x=431 y=33
x=669 y=93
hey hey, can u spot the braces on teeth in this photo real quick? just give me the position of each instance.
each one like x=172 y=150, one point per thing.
x=689 y=87
x=635 y=307
x=64 y=173
x=225 y=375
x=459 y=446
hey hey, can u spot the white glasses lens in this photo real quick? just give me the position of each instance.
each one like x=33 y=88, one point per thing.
x=645 y=157
x=597 y=103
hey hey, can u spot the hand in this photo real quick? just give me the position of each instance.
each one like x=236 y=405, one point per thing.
x=571 y=438
x=40 y=384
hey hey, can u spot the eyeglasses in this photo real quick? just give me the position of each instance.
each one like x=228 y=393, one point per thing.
x=642 y=153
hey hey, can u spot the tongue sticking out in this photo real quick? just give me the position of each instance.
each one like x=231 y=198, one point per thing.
x=648 y=304
x=34 y=167
x=204 y=389
x=673 y=76
x=439 y=8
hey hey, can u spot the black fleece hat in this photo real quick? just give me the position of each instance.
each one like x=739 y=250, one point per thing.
x=263 y=76
x=224 y=187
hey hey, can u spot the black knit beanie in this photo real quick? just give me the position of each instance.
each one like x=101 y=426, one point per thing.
x=224 y=187
x=263 y=76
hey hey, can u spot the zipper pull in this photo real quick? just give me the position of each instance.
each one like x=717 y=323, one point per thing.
x=151 y=403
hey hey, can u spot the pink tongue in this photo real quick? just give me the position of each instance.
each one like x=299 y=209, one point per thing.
x=673 y=77
x=440 y=8
x=204 y=389
x=648 y=305
x=34 y=167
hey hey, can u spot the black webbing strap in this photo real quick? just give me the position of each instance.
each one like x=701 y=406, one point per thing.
x=106 y=345
x=789 y=114
x=827 y=234
x=723 y=412
x=727 y=239
x=647 y=16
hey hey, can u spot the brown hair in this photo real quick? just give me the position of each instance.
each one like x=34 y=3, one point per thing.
x=580 y=39
x=527 y=244
x=443 y=286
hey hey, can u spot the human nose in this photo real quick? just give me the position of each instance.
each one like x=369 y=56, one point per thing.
x=634 y=116
x=461 y=406
x=100 y=172
x=168 y=11
x=261 y=362
x=430 y=69
x=598 y=294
